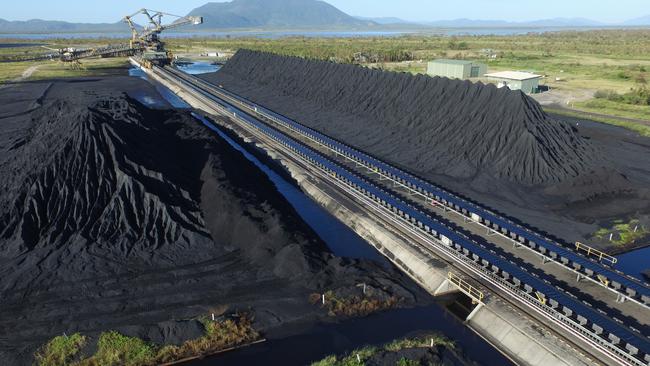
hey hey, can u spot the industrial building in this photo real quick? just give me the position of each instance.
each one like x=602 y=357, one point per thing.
x=456 y=69
x=516 y=80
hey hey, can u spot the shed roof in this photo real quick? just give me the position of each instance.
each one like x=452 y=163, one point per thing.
x=513 y=75
x=452 y=62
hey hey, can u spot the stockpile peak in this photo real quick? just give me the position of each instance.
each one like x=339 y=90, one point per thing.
x=78 y=175
x=451 y=127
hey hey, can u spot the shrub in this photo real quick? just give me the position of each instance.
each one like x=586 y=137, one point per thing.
x=365 y=353
x=638 y=96
x=605 y=94
x=623 y=75
x=406 y=362
x=114 y=348
x=453 y=45
x=60 y=350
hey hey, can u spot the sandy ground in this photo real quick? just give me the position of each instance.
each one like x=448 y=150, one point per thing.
x=114 y=216
x=563 y=98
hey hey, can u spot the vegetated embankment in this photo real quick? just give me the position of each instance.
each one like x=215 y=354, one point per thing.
x=492 y=145
x=118 y=217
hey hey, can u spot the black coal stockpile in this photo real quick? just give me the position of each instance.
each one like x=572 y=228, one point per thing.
x=450 y=127
x=114 y=216
x=495 y=146
x=79 y=174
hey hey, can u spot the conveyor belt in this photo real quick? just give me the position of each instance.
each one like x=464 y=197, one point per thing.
x=616 y=280
x=503 y=271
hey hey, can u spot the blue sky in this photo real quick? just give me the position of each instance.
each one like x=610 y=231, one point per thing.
x=95 y=11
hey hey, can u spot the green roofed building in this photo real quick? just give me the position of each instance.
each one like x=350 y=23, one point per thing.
x=456 y=69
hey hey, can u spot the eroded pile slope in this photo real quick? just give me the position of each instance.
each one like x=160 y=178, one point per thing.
x=114 y=216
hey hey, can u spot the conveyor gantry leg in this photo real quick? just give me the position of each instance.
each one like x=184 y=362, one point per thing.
x=474 y=311
x=444 y=287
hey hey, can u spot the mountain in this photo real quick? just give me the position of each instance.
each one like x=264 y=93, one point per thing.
x=384 y=20
x=565 y=22
x=275 y=14
x=469 y=23
x=639 y=21
x=479 y=23
x=55 y=26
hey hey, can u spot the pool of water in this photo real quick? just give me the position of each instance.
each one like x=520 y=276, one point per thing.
x=635 y=262
x=341 y=240
x=19 y=45
x=199 y=67
x=318 y=341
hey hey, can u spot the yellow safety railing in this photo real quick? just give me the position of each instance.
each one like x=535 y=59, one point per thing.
x=603 y=280
x=541 y=298
x=466 y=287
x=593 y=252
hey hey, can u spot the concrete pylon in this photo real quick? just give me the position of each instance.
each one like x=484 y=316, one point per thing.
x=445 y=287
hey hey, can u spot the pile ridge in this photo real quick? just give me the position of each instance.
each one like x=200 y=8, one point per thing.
x=451 y=127
x=81 y=179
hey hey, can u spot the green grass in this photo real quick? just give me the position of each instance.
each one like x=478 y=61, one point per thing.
x=54 y=69
x=117 y=349
x=114 y=348
x=357 y=305
x=60 y=350
x=588 y=61
x=604 y=106
x=400 y=344
x=363 y=354
x=219 y=335
x=406 y=362
x=575 y=62
x=639 y=128
x=624 y=233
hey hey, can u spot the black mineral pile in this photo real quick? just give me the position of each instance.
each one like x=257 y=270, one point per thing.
x=494 y=146
x=115 y=216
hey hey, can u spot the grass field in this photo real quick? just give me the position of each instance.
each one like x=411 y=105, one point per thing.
x=53 y=69
x=580 y=62
x=604 y=106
